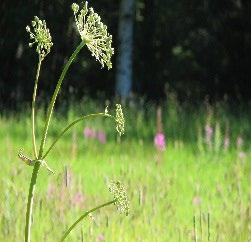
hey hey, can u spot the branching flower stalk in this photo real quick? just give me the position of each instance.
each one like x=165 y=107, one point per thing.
x=72 y=124
x=120 y=200
x=33 y=108
x=54 y=97
x=44 y=135
x=94 y=35
x=118 y=118
x=41 y=36
x=84 y=216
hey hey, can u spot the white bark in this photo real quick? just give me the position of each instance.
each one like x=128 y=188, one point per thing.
x=125 y=49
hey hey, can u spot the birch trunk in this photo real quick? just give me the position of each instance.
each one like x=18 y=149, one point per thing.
x=125 y=49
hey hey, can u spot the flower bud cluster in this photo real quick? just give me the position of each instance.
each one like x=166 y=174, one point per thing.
x=40 y=36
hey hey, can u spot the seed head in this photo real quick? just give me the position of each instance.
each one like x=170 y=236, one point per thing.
x=40 y=36
x=120 y=121
x=94 y=33
x=119 y=193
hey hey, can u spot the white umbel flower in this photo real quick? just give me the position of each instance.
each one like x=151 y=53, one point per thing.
x=40 y=36
x=94 y=33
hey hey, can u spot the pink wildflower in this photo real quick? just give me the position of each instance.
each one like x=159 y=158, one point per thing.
x=89 y=133
x=242 y=155
x=101 y=136
x=239 y=142
x=78 y=199
x=100 y=237
x=226 y=143
x=159 y=141
x=196 y=201
x=209 y=134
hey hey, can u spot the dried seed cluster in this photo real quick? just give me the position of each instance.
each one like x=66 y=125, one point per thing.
x=119 y=193
x=120 y=121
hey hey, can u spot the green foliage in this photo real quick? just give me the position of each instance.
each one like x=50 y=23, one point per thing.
x=164 y=198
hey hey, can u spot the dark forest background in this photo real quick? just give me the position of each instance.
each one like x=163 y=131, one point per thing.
x=194 y=48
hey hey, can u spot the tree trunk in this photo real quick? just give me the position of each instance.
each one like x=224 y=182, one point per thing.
x=125 y=48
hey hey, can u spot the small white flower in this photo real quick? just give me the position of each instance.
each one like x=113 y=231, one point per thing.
x=94 y=33
x=41 y=36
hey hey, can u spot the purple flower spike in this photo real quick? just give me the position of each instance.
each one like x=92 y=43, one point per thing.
x=159 y=141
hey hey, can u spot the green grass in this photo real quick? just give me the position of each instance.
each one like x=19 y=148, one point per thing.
x=190 y=182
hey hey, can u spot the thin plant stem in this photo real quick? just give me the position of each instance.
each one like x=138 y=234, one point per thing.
x=30 y=202
x=194 y=229
x=70 y=125
x=201 y=227
x=38 y=164
x=208 y=226
x=33 y=108
x=82 y=217
x=54 y=97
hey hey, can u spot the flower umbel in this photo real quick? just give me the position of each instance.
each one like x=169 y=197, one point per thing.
x=120 y=121
x=119 y=193
x=41 y=36
x=94 y=33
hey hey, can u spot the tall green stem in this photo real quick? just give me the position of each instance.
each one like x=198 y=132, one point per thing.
x=30 y=202
x=70 y=125
x=37 y=164
x=33 y=108
x=82 y=217
x=54 y=97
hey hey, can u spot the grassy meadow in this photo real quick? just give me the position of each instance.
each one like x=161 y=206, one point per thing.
x=197 y=189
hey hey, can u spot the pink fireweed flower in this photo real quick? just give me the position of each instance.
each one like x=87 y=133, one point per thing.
x=89 y=133
x=209 y=134
x=226 y=143
x=78 y=199
x=159 y=141
x=101 y=136
x=239 y=142
x=242 y=155
x=196 y=201
x=100 y=237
